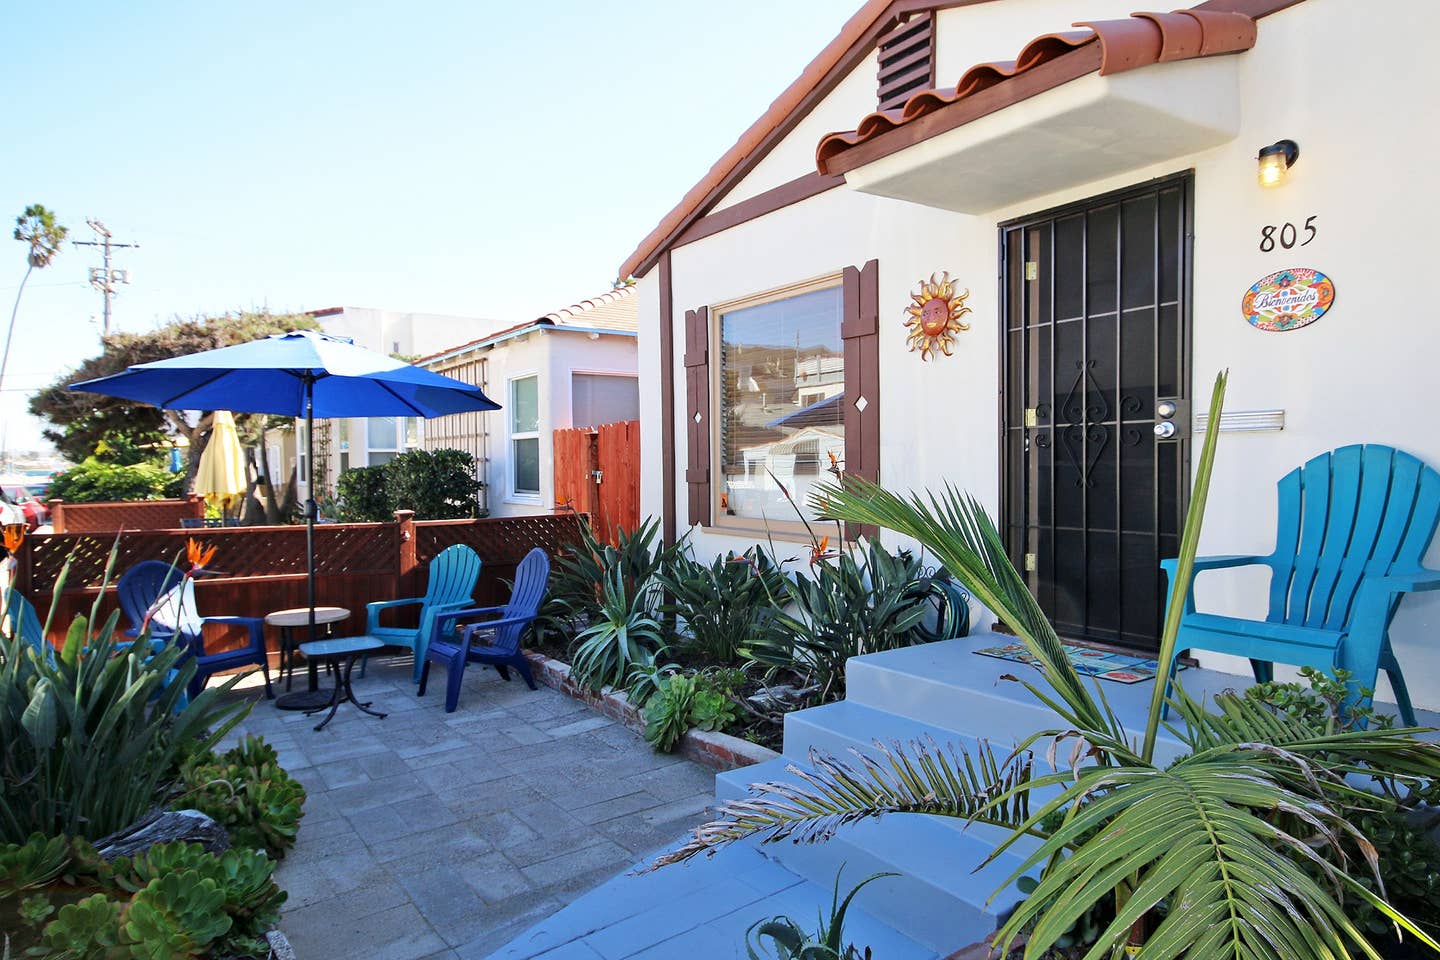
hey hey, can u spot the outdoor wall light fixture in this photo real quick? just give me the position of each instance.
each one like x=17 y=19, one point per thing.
x=1276 y=161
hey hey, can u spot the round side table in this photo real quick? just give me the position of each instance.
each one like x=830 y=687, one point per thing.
x=288 y=622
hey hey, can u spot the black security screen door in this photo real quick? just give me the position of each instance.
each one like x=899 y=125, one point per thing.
x=1096 y=369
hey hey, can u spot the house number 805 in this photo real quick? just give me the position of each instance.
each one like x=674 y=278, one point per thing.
x=1286 y=235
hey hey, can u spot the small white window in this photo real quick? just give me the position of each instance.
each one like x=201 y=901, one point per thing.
x=387 y=437
x=525 y=437
x=603 y=398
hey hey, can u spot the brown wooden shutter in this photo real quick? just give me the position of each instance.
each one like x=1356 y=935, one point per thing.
x=697 y=413
x=860 y=329
x=907 y=61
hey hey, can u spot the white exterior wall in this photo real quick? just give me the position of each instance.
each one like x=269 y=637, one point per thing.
x=554 y=356
x=1357 y=375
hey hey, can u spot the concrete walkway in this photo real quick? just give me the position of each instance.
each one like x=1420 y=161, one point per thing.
x=429 y=834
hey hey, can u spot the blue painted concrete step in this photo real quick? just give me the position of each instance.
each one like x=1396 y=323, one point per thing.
x=941 y=899
x=698 y=911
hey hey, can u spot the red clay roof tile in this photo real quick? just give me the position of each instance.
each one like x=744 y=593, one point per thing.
x=1140 y=40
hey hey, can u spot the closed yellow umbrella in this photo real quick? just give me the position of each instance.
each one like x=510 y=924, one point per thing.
x=221 y=474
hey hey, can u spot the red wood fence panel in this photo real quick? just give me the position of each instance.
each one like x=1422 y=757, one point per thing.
x=123 y=515
x=597 y=471
x=619 y=460
x=574 y=453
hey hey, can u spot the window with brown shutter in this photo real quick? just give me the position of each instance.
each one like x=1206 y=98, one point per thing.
x=861 y=332
x=907 y=60
x=697 y=413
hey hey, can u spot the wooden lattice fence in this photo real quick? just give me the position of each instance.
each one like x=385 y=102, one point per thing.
x=123 y=515
x=260 y=569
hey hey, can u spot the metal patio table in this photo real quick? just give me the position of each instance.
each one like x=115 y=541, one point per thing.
x=288 y=621
x=349 y=649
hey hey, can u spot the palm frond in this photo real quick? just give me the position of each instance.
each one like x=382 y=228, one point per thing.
x=955 y=528
x=1203 y=839
x=916 y=777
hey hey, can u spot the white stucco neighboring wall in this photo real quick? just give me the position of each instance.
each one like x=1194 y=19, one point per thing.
x=1361 y=374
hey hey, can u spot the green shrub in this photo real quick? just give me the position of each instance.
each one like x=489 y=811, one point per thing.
x=724 y=606
x=362 y=496
x=249 y=793
x=437 y=485
x=249 y=894
x=88 y=742
x=845 y=609
x=625 y=635
x=92 y=481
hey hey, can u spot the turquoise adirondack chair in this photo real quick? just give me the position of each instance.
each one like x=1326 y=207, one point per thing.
x=22 y=621
x=453 y=574
x=1354 y=527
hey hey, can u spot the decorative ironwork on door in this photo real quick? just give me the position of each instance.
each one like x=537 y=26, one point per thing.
x=1096 y=414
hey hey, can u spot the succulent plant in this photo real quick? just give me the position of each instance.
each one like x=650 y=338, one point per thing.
x=88 y=930
x=249 y=793
x=250 y=896
x=175 y=916
x=34 y=863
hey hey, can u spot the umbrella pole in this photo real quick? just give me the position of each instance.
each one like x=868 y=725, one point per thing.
x=310 y=496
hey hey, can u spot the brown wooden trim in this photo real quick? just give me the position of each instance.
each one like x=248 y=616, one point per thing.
x=697 y=414
x=810 y=185
x=854 y=54
x=860 y=331
x=1071 y=66
x=667 y=401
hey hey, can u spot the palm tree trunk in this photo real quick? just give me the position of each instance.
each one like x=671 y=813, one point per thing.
x=14 y=312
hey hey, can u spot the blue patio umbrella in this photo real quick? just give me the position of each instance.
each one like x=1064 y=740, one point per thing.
x=300 y=374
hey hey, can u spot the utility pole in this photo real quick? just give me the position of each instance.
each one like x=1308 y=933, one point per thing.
x=104 y=278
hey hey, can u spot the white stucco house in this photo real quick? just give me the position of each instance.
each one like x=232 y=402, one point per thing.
x=1125 y=206
x=575 y=367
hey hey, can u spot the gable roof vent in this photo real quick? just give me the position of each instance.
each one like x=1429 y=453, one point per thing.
x=907 y=60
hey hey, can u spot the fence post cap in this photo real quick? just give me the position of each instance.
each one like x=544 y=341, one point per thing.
x=403 y=515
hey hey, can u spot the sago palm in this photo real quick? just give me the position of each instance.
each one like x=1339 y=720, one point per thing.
x=1235 y=850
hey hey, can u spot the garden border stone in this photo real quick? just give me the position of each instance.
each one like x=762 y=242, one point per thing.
x=711 y=748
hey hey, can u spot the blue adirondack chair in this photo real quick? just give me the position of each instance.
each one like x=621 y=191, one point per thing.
x=453 y=574
x=1354 y=527
x=21 y=621
x=492 y=641
x=154 y=585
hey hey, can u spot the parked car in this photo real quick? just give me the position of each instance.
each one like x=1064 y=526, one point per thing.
x=19 y=505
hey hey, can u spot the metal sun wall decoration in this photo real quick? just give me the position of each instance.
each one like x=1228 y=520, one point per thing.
x=934 y=317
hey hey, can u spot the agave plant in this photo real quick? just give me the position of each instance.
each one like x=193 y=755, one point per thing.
x=789 y=941
x=624 y=636
x=1212 y=857
x=89 y=737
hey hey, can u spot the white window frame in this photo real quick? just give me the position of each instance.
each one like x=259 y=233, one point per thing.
x=514 y=494
x=782 y=528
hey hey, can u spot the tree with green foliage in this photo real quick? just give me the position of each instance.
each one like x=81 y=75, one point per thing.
x=84 y=421
x=38 y=229
x=436 y=484
x=95 y=481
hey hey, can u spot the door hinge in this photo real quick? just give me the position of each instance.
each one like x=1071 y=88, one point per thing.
x=1032 y=269
x=1032 y=417
x=1032 y=563
x=599 y=475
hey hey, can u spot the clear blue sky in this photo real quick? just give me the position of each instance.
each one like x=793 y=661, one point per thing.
x=473 y=158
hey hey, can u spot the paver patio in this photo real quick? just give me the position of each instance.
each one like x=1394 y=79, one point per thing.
x=429 y=834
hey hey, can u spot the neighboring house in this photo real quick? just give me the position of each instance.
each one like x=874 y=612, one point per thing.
x=1096 y=190
x=362 y=441
x=575 y=367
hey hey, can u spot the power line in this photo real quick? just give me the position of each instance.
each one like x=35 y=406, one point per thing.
x=104 y=278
